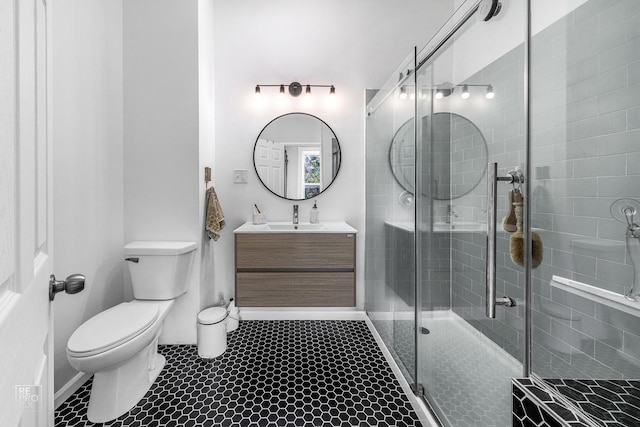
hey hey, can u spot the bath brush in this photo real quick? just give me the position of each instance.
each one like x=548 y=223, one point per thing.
x=516 y=243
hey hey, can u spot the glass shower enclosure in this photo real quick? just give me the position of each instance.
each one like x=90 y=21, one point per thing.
x=503 y=202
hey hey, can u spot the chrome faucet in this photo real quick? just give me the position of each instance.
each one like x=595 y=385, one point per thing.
x=450 y=214
x=295 y=214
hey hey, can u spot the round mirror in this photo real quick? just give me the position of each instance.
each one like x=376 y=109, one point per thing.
x=459 y=155
x=296 y=156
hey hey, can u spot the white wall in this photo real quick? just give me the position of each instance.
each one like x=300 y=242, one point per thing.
x=206 y=62
x=87 y=163
x=352 y=45
x=163 y=189
x=510 y=24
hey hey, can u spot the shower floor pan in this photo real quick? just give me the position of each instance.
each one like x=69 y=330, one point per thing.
x=466 y=375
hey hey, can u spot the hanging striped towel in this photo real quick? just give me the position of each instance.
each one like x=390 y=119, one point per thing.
x=215 y=218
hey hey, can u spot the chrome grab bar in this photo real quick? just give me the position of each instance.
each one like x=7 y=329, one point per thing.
x=492 y=208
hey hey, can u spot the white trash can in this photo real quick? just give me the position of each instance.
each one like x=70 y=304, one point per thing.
x=212 y=332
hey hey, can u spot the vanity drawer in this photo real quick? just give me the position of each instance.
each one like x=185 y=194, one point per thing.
x=295 y=289
x=296 y=251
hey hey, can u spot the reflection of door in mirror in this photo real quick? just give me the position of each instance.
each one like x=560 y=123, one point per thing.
x=270 y=164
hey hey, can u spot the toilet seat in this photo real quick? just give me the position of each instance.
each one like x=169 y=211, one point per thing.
x=111 y=328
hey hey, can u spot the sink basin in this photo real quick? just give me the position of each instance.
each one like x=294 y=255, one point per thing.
x=289 y=227
x=293 y=227
x=459 y=226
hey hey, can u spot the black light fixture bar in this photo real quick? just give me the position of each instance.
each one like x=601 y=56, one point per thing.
x=295 y=88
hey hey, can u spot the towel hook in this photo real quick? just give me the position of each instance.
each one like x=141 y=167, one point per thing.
x=516 y=177
x=207 y=176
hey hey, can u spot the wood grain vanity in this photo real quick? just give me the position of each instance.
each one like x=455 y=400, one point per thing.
x=294 y=268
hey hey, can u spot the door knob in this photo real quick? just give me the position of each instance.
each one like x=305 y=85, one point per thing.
x=71 y=285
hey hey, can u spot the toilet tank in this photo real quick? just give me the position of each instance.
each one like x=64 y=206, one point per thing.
x=160 y=270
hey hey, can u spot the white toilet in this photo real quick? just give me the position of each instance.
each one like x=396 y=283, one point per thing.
x=119 y=345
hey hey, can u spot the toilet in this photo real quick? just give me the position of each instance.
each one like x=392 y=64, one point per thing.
x=120 y=345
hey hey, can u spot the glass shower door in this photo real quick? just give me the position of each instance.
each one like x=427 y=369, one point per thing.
x=390 y=219
x=470 y=113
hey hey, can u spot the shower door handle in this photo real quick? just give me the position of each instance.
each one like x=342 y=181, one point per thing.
x=492 y=208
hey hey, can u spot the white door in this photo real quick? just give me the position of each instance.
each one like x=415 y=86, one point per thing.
x=270 y=165
x=26 y=347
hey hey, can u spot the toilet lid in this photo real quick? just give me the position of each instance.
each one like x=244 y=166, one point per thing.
x=112 y=327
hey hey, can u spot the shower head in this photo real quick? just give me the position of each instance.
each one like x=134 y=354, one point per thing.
x=624 y=210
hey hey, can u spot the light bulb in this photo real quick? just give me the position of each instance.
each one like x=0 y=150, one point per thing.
x=282 y=90
x=332 y=91
x=489 y=94
x=308 y=90
x=403 y=92
x=439 y=94
x=257 y=90
x=465 y=92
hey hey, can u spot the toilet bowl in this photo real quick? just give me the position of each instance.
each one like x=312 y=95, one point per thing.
x=119 y=345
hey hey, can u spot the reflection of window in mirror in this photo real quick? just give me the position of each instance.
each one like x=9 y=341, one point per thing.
x=311 y=173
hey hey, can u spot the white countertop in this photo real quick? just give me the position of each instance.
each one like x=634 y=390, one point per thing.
x=288 y=227
x=440 y=227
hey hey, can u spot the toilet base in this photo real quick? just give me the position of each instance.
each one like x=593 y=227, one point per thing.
x=116 y=391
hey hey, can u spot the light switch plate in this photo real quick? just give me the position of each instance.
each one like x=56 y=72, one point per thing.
x=240 y=176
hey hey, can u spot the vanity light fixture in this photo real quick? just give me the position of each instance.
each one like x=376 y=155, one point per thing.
x=466 y=94
x=295 y=88
x=445 y=89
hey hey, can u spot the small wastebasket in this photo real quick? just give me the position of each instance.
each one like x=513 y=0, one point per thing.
x=212 y=332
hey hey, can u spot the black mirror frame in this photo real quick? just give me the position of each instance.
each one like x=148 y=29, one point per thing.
x=484 y=171
x=335 y=174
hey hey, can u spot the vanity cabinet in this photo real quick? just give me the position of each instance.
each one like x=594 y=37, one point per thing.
x=295 y=269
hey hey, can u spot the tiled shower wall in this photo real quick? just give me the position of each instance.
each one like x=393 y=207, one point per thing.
x=586 y=153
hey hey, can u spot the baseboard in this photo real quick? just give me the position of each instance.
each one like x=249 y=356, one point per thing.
x=69 y=388
x=300 y=313
x=425 y=416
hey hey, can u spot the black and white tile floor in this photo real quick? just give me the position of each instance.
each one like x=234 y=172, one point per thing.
x=274 y=373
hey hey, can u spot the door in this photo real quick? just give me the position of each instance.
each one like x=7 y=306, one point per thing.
x=270 y=164
x=390 y=221
x=470 y=113
x=26 y=347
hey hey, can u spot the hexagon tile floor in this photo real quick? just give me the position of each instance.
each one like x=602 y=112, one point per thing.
x=274 y=373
